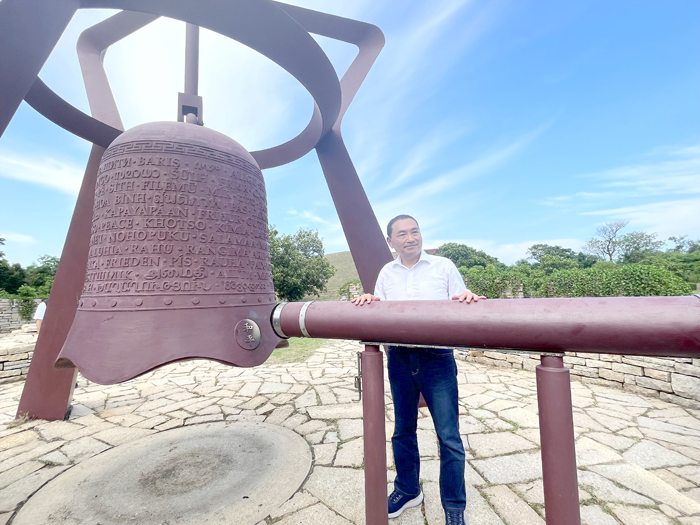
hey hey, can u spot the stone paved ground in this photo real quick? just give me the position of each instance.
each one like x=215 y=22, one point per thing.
x=639 y=458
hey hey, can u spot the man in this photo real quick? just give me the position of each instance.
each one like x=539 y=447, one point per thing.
x=415 y=275
x=39 y=314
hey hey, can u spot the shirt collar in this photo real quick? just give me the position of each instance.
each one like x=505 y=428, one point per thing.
x=424 y=256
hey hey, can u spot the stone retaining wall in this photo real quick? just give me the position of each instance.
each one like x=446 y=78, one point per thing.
x=16 y=351
x=672 y=379
x=9 y=315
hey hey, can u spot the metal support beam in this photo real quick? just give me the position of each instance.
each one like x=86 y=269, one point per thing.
x=48 y=392
x=192 y=70
x=365 y=238
x=28 y=33
x=557 y=442
x=376 y=510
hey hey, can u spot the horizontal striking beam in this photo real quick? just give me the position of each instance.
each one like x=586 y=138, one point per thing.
x=651 y=326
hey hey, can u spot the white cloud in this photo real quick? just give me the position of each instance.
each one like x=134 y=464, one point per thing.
x=581 y=197
x=415 y=60
x=309 y=216
x=621 y=188
x=42 y=171
x=677 y=173
x=19 y=238
x=419 y=196
x=666 y=218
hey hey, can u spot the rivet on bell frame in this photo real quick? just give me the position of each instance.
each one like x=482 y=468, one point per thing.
x=94 y=303
x=244 y=299
x=113 y=302
x=138 y=302
x=195 y=300
x=222 y=300
x=168 y=300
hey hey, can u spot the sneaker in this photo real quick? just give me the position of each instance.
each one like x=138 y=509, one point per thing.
x=454 y=517
x=398 y=502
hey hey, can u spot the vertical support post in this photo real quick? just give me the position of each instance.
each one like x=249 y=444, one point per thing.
x=376 y=510
x=192 y=66
x=557 y=440
x=48 y=391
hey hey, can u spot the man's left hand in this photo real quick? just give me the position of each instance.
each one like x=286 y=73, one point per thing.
x=467 y=297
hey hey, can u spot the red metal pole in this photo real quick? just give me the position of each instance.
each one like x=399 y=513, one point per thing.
x=649 y=326
x=376 y=511
x=557 y=442
x=48 y=391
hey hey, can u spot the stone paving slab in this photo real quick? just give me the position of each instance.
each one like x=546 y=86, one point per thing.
x=638 y=457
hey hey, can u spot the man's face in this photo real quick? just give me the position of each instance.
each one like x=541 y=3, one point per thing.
x=406 y=238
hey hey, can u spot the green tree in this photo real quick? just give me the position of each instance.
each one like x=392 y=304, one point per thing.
x=537 y=251
x=586 y=260
x=605 y=279
x=11 y=276
x=501 y=282
x=298 y=266
x=606 y=244
x=684 y=245
x=685 y=265
x=636 y=246
x=2 y=243
x=468 y=257
x=344 y=290
x=26 y=301
x=40 y=273
x=552 y=263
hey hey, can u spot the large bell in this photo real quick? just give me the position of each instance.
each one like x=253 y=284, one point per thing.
x=179 y=263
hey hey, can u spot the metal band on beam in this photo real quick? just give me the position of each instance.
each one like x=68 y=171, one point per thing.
x=302 y=319
x=276 y=320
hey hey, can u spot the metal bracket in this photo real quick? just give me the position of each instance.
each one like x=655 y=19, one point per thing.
x=358 y=377
x=190 y=104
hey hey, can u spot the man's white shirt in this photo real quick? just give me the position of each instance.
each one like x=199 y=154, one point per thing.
x=431 y=278
x=40 y=311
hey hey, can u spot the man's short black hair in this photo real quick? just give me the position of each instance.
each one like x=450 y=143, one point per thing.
x=397 y=218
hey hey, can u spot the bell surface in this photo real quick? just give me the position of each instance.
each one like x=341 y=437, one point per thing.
x=179 y=262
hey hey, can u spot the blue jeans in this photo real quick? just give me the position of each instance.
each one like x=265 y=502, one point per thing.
x=433 y=372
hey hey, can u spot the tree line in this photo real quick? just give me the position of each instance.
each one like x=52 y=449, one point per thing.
x=610 y=264
x=33 y=281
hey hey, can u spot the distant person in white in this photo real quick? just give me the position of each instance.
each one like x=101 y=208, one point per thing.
x=39 y=314
x=415 y=275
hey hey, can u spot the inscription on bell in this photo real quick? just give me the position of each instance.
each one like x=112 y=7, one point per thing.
x=178 y=218
x=247 y=334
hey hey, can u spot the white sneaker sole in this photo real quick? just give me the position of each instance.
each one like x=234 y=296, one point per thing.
x=411 y=503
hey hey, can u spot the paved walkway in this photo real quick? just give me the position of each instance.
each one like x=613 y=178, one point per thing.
x=638 y=457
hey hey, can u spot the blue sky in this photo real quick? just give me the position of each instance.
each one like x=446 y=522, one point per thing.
x=499 y=124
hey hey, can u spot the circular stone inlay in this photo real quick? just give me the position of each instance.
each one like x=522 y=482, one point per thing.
x=204 y=474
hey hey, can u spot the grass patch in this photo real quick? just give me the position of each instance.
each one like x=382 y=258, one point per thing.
x=21 y=420
x=299 y=349
x=344 y=271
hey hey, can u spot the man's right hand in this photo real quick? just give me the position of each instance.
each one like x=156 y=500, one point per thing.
x=366 y=298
